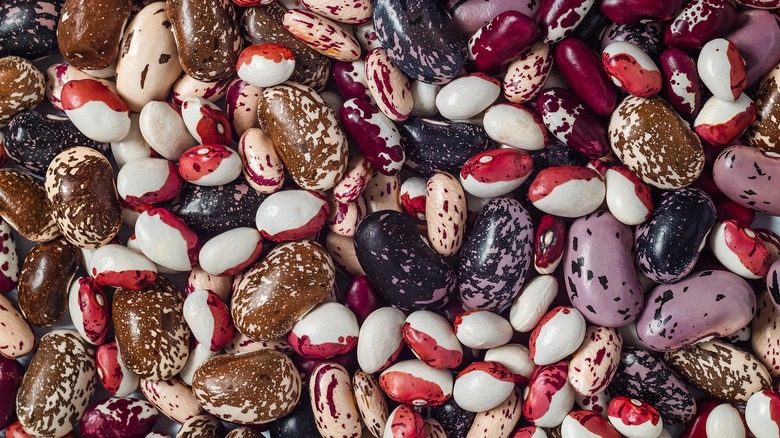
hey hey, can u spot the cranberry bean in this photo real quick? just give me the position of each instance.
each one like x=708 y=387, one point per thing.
x=404 y=422
x=17 y=338
x=760 y=413
x=628 y=197
x=292 y=215
x=89 y=310
x=371 y=402
x=333 y=401
x=526 y=75
x=722 y=69
x=148 y=181
x=187 y=86
x=564 y=114
x=432 y=339
x=322 y=35
x=375 y=135
x=96 y=110
x=720 y=122
x=350 y=79
x=198 y=278
x=587 y=423
x=549 y=396
x=118 y=417
x=57 y=75
x=415 y=383
x=383 y=192
x=308 y=339
x=739 y=249
x=241 y=101
x=559 y=18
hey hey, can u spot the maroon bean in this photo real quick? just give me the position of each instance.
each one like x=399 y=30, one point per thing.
x=499 y=42
x=582 y=69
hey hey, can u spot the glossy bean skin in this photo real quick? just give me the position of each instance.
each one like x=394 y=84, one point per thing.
x=647 y=36
x=504 y=231
x=698 y=22
x=634 y=11
x=565 y=115
x=601 y=282
x=721 y=370
x=763 y=132
x=30 y=140
x=264 y=24
x=433 y=145
x=669 y=243
x=426 y=277
x=502 y=40
x=682 y=87
x=581 y=67
x=644 y=376
x=420 y=38
x=703 y=305
x=29 y=28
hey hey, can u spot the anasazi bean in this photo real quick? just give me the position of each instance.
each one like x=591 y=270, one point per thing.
x=409 y=179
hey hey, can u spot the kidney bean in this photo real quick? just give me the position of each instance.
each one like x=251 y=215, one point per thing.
x=500 y=41
x=635 y=11
x=582 y=69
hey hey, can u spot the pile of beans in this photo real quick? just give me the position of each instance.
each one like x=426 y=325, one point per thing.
x=398 y=218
